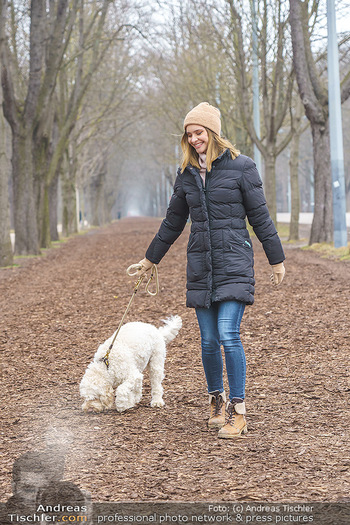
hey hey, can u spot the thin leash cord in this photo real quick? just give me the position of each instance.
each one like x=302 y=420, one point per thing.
x=132 y=271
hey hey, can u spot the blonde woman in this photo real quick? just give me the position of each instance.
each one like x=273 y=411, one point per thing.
x=218 y=187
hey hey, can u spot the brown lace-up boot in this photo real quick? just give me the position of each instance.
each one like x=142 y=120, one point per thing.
x=236 y=423
x=217 y=402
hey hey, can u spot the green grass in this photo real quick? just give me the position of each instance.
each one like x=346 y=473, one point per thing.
x=282 y=228
x=283 y=232
x=44 y=251
x=26 y=256
x=9 y=267
x=324 y=250
x=60 y=241
x=327 y=251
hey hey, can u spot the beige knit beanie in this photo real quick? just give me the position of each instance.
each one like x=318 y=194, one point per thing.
x=205 y=115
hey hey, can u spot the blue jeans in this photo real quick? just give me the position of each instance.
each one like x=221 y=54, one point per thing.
x=220 y=324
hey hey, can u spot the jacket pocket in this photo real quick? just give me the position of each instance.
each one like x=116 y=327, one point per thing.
x=195 y=266
x=238 y=254
x=196 y=253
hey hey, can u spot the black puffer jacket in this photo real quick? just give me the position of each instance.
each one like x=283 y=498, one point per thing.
x=219 y=254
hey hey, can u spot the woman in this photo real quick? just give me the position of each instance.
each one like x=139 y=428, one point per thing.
x=218 y=187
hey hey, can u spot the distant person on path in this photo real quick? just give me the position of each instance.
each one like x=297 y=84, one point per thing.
x=218 y=187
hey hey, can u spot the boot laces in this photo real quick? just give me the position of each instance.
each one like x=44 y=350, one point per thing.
x=218 y=405
x=231 y=413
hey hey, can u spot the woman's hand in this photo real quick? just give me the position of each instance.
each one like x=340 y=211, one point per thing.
x=140 y=268
x=278 y=271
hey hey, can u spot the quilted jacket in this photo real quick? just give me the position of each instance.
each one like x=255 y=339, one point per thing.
x=220 y=256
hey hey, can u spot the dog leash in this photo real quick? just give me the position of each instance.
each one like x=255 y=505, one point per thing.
x=131 y=271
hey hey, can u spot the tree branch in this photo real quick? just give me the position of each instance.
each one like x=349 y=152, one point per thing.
x=345 y=87
x=313 y=108
x=36 y=61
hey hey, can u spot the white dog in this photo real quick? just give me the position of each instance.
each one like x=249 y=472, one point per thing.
x=136 y=346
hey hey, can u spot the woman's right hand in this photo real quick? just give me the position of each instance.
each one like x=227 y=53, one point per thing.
x=278 y=271
x=139 y=269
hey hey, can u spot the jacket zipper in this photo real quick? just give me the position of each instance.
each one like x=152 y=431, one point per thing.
x=245 y=244
x=205 y=187
x=206 y=195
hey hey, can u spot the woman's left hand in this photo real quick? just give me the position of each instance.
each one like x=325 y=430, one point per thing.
x=278 y=271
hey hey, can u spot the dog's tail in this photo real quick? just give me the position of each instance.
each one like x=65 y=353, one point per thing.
x=171 y=328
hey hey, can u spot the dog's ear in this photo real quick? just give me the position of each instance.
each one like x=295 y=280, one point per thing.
x=107 y=398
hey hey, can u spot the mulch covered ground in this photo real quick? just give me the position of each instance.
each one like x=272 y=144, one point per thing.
x=56 y=309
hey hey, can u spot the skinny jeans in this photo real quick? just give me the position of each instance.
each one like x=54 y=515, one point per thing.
x=220 y=325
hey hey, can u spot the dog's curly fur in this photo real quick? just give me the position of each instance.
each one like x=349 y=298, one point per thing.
x=136 y=346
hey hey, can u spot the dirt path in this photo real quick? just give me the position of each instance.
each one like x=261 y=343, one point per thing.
x=55 y=310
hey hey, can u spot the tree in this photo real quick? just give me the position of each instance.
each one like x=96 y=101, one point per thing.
x=30 y=117
x=314 y=96
x=297 y=131
x=276 y=78
x=68 y=43
x=187 y=66
x=85 y=54
x=111 y=106
x=6 y=256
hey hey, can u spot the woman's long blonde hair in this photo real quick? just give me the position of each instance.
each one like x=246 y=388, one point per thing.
x=216 y=146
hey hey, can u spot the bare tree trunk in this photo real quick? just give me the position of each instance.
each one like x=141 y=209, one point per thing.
x=53 y=185
x=23 y=195
x=53 y=202
x=270 y=182
x=314 y=96
x=322 y=224
x=294 y=187
x=97 y=198
x=6 y=255
x=297 y=130
x=69 y=224
x=41 y=192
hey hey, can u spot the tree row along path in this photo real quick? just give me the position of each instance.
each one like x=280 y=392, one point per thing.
x=57 y=309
